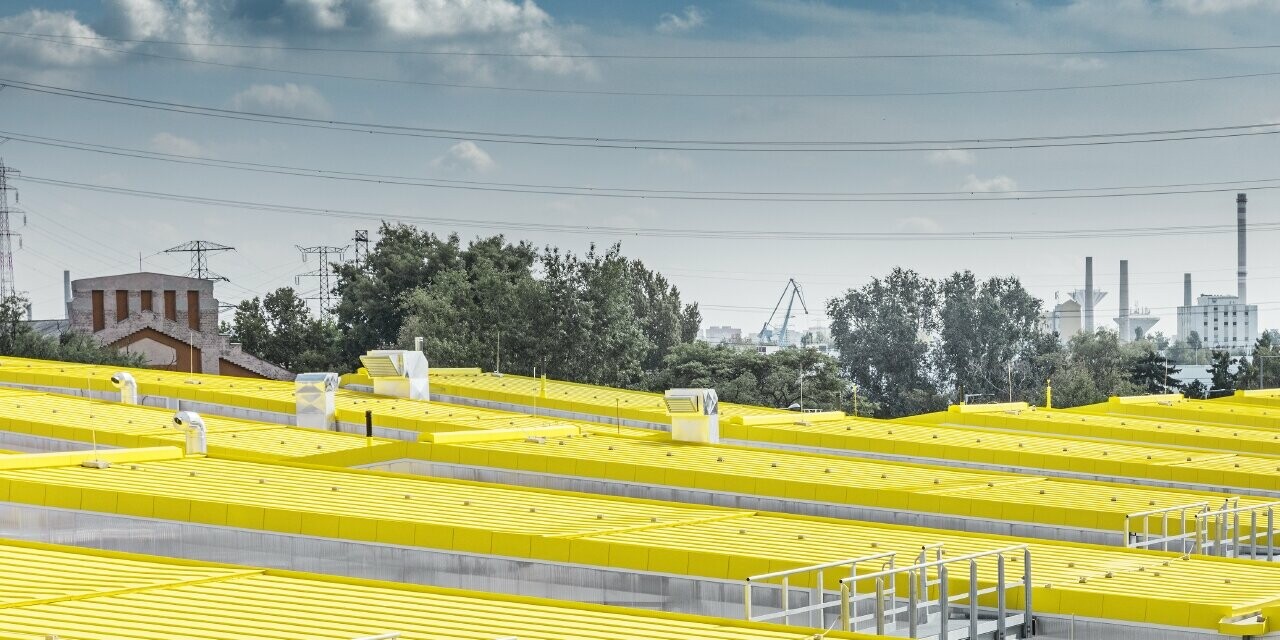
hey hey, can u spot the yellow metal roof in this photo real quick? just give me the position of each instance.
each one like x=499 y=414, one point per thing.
x=1127 y=428
x=277 y=396
x=1257 y=416
x=802 y=476
x=1027 y=451
x=623 y=533
x=114 y=424
x=603 y=401
x=94 y=595
x=834 y=479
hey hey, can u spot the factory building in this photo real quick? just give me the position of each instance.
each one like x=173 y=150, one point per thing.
x=1220 y=320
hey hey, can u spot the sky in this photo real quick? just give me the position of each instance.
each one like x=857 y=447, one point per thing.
x=126 y=48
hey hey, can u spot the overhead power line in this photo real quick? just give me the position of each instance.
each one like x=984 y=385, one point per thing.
x=641 y=193
x=659 y=56
x=668 y=232
x=666 y=94
x=972 y=144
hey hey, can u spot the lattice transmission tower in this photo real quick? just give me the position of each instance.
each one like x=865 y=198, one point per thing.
x=361 y=240
x=328 y=255
x=200 y=250
x=8 y=287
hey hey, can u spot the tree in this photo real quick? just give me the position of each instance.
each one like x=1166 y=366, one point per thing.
x=280 y=328
x=1195 y=390
x=750 y=377
x=599 y=318
x=1263 y=365
x=882 y=332
x=988 y=331
x=17 y=339
x=1093 y=368
x=1150 y=371
x=1222 y=378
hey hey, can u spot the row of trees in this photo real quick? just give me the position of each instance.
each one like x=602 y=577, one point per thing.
x=914 y=344
x=907 y=343
x=598 y=318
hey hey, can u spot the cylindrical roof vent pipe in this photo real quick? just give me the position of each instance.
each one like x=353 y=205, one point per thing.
x=192 y=425
x=127 y=385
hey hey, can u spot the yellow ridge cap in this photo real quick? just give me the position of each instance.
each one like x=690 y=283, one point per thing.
x=1167 y=397
x=120 y=592
x=677 y=522
x=71 y=458
x=989 y=408
x=494 y=435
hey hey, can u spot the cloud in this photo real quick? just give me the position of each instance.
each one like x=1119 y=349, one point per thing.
x=450 y=25
x=1076 y=63
x=43 y=52
x=672 y=23
x=287 y=99
x=1202 y=7
x=671 y=159
x=993 y=185
x=465 y=155
x=951 y=157
x=918 y=224
x=165 y=142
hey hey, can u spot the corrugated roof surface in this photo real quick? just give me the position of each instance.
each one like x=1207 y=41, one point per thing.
x=713 y=542
x=85 y=595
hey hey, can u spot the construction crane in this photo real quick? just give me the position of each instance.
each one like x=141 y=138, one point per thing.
x=766 y=331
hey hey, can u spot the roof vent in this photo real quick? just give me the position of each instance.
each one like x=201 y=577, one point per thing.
x=695 y=415
x=402 y=374
x=127 y=385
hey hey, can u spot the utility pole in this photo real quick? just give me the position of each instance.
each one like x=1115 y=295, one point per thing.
x=199 y=250
x=7 y=286
x=361 y=240
x=324 y=272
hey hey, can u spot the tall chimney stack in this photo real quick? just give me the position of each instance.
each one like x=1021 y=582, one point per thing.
x=66 y=292
x=1241 y=270
x=1088 y=294
x=1186 y=289
x=1123 y=320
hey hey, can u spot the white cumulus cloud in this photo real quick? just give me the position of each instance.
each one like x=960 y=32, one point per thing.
x=46 y=52
x=672 y=23
x=951 y=157
x=465 y=155
x=165 y=142
x=287 y=99
x=991 y=185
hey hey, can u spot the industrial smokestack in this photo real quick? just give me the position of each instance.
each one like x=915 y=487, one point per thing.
x=1123 y=320
x=66 y=293
x=1088 y=294
x=1241 y=270
x=1186 y=289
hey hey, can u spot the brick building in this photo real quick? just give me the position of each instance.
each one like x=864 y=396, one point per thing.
x=171 y=320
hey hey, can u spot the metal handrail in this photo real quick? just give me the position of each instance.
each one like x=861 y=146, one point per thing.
x=1226 y=539
x=935 y=563
x=817 y=567
x=817 y=594
x=1133 y=539
x=849 y=596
